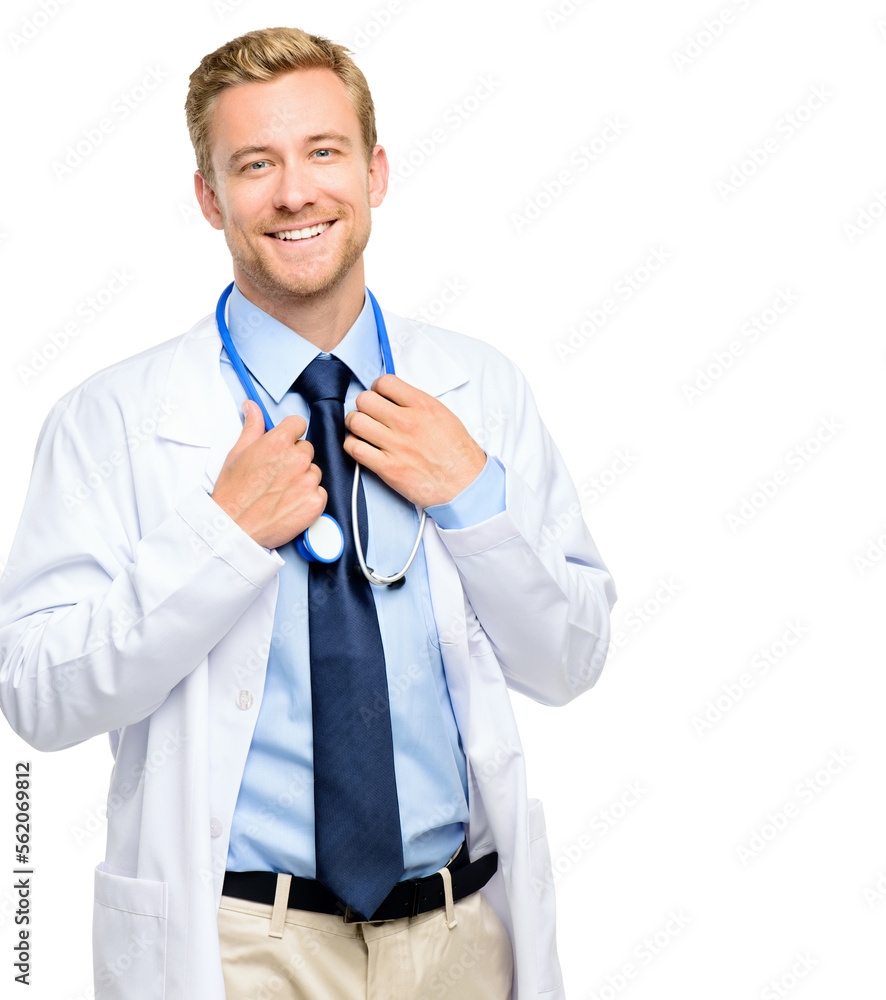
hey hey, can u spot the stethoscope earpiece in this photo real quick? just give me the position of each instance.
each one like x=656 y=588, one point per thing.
x=324 y=540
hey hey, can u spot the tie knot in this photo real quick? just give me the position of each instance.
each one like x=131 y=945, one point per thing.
x=324 y=378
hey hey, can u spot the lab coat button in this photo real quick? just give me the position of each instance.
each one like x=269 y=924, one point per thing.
x=244 y=700
x=216 y=827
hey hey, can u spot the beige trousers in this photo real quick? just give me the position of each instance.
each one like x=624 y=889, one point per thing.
x=275 y=953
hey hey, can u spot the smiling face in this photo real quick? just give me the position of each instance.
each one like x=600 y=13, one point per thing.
x=292 y=187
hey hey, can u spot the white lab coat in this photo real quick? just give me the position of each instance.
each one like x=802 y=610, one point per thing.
x=132 y=605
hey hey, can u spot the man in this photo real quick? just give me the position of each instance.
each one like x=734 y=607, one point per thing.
x=279 y=823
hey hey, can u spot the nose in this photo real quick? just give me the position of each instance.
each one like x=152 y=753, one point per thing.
x=296 y=187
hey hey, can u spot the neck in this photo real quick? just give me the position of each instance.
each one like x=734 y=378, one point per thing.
x=322 y=319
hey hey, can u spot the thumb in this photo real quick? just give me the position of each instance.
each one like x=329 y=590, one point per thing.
x=253 y=426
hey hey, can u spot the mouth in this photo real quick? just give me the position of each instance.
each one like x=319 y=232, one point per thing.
x=303 y=235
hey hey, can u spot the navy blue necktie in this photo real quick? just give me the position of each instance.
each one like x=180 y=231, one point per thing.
x=357 y=817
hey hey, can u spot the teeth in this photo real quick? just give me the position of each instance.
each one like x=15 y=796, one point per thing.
x=303 y=234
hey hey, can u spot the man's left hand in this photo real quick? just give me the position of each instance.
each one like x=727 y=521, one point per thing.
x=413 y=442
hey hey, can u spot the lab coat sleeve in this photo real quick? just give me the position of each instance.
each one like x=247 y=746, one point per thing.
x=97 y=623
x=532 y=575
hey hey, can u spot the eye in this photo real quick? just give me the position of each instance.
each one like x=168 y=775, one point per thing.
x=323 y=154
x=258 y=163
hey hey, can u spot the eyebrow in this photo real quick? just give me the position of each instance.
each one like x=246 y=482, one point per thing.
x=245 y=151
x=342 y=140
x=336 y=137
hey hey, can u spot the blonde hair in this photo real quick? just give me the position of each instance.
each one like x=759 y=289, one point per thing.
x=264 y=55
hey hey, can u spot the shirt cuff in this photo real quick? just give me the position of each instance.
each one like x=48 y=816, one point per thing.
x=478 y=501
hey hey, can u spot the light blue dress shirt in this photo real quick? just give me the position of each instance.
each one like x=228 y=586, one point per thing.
x=273 y=825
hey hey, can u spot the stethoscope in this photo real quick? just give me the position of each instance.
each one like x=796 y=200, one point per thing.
x=323 y=541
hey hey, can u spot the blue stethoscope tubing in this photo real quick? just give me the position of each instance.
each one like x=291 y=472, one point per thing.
x=302 y=544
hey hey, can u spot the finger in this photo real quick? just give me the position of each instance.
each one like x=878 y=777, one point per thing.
x=365 y=454
x=317 y=494
x=376 y=406
x=253 y=426
x=293 y=426
x=396 y=390
x=304 y=447
x=374 y=432
x=313 y=474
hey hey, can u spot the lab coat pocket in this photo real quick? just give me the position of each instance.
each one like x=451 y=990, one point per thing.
x=129 y=937
x=543 y=903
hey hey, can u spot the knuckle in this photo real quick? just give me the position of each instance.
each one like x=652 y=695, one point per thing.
x=293 y=425
x=276 y=444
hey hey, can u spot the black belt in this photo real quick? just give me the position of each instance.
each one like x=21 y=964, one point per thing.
x=406 y=899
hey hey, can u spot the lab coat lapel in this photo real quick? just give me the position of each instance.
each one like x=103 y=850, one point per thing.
x=203 y=412
x=419 y=360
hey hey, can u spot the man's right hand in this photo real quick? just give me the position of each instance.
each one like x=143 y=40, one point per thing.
x=268 y=483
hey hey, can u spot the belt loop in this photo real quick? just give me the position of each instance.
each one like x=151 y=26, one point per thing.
x=281 y=901
x=451 y=920
x=457 y=852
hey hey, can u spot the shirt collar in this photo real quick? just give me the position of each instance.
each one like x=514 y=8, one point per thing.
x=276 y=355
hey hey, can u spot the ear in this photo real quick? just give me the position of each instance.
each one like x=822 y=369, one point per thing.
x=208 y=201
x=379 y=170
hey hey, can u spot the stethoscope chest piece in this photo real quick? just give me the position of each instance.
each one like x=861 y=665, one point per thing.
x=323 y=541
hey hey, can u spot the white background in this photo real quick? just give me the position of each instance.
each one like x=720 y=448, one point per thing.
x=663 y=817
